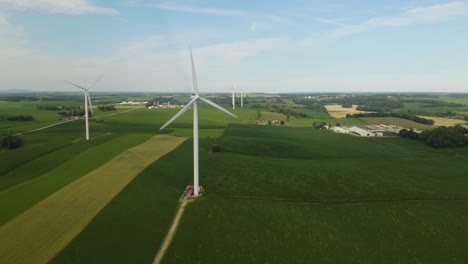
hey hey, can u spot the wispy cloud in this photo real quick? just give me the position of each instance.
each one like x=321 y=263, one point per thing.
x=215 y=11
x=72 y=7
x=412 y=16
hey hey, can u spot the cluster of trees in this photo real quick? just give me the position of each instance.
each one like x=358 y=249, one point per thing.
x=310 y=104
x=11 y=142
x=319 y=125
x=456 y=136
x=433 y=103
x=290 y=112
x=407 y=116
x=347 y=105
x=75 y=112
x=448 y=114
x=17 y=118
x=106 y=108
x=17 y=98
x=49 y=107
x=380 y=105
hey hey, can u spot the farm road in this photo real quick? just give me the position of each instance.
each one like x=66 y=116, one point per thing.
x=41 y=232
x=170 y=235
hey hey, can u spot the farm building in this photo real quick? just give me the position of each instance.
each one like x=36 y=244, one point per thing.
x=340 y=130
x=361 y=132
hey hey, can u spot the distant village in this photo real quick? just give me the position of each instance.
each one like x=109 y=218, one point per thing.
x=153 y=105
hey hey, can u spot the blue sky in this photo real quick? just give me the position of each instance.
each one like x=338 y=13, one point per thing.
x=261 y=46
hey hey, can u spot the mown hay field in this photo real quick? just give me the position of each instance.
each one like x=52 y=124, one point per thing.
x=42 y=231
x=337 y=111
x=442 y=121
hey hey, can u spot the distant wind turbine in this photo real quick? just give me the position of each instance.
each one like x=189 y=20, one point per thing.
x=233 y=97
x=194 y=102
x=87 y=99
x=242 y=98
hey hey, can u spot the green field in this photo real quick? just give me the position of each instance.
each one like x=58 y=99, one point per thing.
x=274 y=194
x=331 y=198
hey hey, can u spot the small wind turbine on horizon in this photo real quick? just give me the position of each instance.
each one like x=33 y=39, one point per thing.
x=194 y=102
x=242 y=98
x=234 y=97
x=87 y=99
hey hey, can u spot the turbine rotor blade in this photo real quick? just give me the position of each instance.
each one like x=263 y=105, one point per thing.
x=194 y=74
x=180 y=112
x=90 y=105
x=76 y=85
x=217 y=106
x=93 y=83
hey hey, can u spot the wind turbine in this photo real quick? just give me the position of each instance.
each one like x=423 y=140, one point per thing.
x=233 y=97
x=194 y=102
x=87 y=99
x=242 y=98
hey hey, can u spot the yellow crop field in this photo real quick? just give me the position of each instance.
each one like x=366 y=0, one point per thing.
x=45 y=229
x=337 y=111
x=442 y=121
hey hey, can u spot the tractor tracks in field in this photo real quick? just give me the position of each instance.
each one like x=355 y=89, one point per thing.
x=172 y=230
x=321 y=202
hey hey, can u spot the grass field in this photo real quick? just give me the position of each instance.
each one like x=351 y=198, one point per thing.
x=395 y=121
x=18 y=198
x=270 y=116
x=274 y=194
x=56 y=220
x=282 y=194
x=131 y=228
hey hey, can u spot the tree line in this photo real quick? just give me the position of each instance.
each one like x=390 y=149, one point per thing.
x=456 y=136
x=16 y=118
x=407 y=116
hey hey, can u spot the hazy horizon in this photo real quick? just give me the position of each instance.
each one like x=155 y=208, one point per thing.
x=260 y=46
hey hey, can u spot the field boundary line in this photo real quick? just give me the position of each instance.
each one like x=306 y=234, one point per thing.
x=172 y=231
x=42 y=231
x=284 y=200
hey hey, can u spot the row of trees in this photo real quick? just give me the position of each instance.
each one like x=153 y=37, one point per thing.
x=17 y=118
x=440 y=137
x=106 y=108
x=407 y=116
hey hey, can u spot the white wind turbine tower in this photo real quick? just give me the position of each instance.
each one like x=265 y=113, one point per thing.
x=194 y=102
x=242 y=98
x=87 y=99
x=233 y=97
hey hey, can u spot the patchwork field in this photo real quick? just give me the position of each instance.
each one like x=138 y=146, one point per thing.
x=274 y=194
x=279 y=194
x=337 y=111
x=42 y=231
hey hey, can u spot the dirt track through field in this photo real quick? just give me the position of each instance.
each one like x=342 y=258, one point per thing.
x=170 y=235
x=42 y=231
